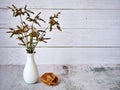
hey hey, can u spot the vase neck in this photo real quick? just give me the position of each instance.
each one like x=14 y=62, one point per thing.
x=30 y=56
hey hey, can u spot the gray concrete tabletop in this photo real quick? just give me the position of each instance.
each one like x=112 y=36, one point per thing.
x=71 y=77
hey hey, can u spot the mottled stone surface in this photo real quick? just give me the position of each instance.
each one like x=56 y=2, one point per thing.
x=71 y=77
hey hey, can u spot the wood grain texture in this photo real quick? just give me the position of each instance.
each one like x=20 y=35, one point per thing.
x=71 y=37
x=91 y=30
x=69 y=4
x=71 y=18
x=17 y=56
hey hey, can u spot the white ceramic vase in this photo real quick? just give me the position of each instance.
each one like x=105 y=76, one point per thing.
x=30 y=73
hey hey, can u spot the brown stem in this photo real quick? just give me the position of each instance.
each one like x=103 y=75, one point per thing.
x=40 y=36
x=24 y=33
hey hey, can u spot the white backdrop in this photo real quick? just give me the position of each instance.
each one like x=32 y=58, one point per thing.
x=91 y=32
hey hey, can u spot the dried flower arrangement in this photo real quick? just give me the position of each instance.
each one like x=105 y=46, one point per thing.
x=28 y=34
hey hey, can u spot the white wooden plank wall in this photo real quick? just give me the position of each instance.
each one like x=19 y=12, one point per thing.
x=91 y=32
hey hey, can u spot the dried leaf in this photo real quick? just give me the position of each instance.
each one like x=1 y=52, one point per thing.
x=42 y=20
x=37 y=23
x=25 y=7
x=30 y=11
x=21 y=44
x=28 y=14
x=47 y=38
x=41 y=31
x=37 y=15
x=44 y=41
x=59 y=28
x=14 y=7
x=11 y=29
x=10 y=8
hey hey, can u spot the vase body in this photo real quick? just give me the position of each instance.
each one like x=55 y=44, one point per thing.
x=30 y=73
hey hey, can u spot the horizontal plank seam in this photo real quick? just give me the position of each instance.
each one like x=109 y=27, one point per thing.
x=71 y=8
x=64 y=47
x=73 y=28
x=99 y=65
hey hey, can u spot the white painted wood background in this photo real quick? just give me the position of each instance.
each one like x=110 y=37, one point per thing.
x=91 y=32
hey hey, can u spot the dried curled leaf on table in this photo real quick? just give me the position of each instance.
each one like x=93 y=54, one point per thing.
x=49 y=79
